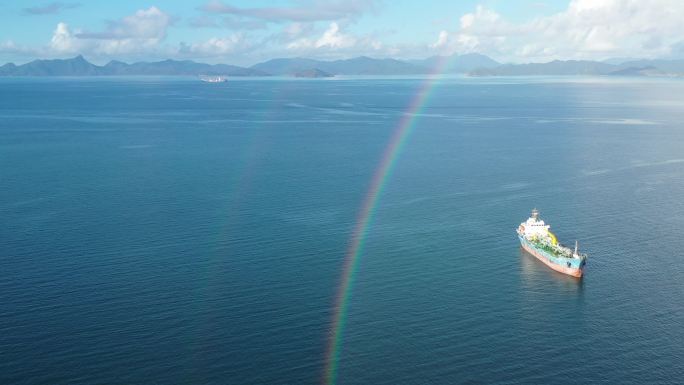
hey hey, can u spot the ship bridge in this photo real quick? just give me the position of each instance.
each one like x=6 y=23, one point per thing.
x=534 y=227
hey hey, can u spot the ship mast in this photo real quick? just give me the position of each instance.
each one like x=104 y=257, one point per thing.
x=576 y=244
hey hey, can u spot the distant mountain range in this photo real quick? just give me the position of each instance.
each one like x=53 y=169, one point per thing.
x=471 y=64
x=357 y=66
x=79 y=66
x=586 y=67
x=457 y=63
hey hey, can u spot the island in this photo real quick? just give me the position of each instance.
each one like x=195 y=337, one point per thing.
x=312 y=73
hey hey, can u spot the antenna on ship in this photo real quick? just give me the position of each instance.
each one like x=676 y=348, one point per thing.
x=535 y=213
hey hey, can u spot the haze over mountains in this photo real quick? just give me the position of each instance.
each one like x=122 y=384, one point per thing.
x=470 y=64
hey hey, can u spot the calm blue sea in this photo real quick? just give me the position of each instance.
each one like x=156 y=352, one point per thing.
x=168 y=231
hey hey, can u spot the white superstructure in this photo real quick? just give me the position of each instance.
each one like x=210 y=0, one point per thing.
x=534 y=227
x=213 y=79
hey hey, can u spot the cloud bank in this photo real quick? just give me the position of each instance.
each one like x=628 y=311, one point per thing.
x=587 y=29
x=140 y=32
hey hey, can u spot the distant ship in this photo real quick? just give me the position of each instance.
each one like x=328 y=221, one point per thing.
x=213 y=79
x=537 y=240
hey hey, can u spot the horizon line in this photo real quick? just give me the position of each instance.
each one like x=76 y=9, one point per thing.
x=403 y=60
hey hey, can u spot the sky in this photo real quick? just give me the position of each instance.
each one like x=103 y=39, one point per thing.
x=245 y=32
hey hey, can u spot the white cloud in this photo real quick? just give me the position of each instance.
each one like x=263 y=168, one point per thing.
x=63 y=41
x=332 y=39
x=587 y=29
x=215 y=47
x=442 y=40
x=147 y=24
x=139 y=33
x=139 y=36
x=9 y=46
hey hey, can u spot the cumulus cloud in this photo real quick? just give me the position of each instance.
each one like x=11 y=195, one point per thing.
x=331 y=38
x=587 y=29
x=333 y=42
x=63 y=40
x=50 y=9
x=141 y=35
x=138 y=33
x=442 y=40
x=304 y=11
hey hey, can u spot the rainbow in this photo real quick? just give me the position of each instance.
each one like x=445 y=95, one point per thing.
x=365 y=218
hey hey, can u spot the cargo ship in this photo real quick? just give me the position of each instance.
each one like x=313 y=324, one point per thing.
x=536 y=238
x=213 y=79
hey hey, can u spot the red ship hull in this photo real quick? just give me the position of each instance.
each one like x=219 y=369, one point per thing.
x=561 y=269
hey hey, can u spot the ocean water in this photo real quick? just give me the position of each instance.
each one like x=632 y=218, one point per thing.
x=168 y=231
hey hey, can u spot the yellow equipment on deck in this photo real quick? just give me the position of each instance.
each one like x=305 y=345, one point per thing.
x=554 y=240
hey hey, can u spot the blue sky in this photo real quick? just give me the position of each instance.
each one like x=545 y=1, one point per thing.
x=245 y=32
